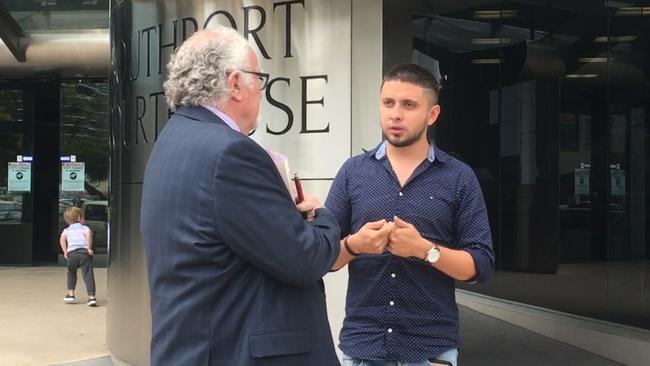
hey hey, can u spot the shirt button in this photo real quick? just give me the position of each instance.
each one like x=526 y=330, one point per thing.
x=392 y=275
x=401 y=194
x=390 y=330
x=392 y=303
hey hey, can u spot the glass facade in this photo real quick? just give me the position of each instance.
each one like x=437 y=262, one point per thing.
x=85 y=128
x=84 y=134
x=11 y=105
x=548 y=102
x=11 y=203
x=57 y=15
x=45 y=120
x=44 y=116
x=11 y=144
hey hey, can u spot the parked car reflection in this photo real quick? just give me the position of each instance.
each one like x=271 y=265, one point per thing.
x=10 y=212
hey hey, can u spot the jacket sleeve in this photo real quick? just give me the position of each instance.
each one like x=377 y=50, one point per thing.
x=258 y=220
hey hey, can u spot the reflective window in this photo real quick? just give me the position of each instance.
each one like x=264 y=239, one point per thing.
x=11 y=105
x=85 y=128
x=95 y=213
x=84 y=135
x=548 y=103
x=11 y=203
x=38 y=15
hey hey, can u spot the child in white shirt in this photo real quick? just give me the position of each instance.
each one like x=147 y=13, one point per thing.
x=77 y=244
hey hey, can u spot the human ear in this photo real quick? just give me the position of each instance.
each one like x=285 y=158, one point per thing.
x=434 y=113
x=234 y=85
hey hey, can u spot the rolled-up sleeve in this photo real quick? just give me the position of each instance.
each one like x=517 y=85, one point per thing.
x=338 y=200
x=473 y=226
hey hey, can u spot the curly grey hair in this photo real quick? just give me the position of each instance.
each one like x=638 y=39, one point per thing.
x=197 y=69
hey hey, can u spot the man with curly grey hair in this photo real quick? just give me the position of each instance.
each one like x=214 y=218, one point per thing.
x=234 y=269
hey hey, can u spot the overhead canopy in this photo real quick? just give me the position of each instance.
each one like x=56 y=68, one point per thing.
x=54 y=38
x=11 y=34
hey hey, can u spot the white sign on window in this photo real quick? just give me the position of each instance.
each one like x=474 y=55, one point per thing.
x=581 y=181
x=617 y=182
x=20 y=177
x=73 y=176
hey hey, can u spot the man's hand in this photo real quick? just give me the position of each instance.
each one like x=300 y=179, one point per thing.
x=371 y=238
x=308 y=206
x=406 y=241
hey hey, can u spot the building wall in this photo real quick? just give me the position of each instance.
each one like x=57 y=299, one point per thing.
x=324 y=59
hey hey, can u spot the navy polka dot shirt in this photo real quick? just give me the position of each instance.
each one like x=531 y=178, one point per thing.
x=403 y=309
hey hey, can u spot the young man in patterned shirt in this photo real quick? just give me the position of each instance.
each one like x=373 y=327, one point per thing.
x=413 y=220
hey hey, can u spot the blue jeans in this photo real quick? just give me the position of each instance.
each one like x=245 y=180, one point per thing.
x=449 y=356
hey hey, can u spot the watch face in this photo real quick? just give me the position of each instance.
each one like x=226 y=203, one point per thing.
x=432 y=255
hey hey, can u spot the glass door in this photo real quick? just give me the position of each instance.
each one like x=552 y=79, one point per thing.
x=15 y=207
x=11 y=203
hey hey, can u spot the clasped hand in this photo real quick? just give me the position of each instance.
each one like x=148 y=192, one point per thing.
x=398 y=237
x=308 y=206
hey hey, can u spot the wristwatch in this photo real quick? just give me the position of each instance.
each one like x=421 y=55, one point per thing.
x=432 y=255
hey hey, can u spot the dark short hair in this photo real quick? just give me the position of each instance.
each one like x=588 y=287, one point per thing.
x=413 y=74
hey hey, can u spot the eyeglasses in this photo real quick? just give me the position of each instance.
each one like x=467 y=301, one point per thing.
x=263 y=78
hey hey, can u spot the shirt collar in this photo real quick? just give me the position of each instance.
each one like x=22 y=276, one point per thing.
x=229 y=121
x=380 y=151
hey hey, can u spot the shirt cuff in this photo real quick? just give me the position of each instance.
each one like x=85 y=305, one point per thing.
x=482 y=265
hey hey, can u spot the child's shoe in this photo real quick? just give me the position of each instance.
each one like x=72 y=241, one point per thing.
x=92 y=301
x=68 y=299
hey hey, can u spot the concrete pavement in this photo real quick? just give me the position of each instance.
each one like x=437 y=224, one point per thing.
x=37 y=328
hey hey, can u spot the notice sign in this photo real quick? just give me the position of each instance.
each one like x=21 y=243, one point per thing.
x=19 y=177
x=73 y=176
x=617 y=182
x=581 y=181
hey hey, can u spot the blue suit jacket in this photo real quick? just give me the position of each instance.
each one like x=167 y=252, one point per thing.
x=234 y=270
